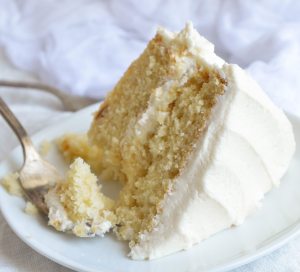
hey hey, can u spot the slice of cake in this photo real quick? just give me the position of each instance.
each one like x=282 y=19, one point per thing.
x=76 y=204
x=195 y=140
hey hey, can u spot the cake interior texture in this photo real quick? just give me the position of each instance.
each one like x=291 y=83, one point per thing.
x=161 y=153
x=148 y=125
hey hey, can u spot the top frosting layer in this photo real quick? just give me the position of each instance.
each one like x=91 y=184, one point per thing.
x=245 y=151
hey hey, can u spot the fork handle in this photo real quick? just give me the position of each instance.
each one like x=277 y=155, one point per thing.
x=33 y=85
x=19 y=130
x=71 y=102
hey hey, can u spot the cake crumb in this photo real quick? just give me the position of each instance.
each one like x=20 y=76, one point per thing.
x=30 y=208
x=11 y=184
x=44 y=148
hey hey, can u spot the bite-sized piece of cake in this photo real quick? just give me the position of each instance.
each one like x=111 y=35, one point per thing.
x=196 y=141
x=77 y=204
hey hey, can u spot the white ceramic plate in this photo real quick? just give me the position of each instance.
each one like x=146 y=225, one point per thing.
x=269 y=228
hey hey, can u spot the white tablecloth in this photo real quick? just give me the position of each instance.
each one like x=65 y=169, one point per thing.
x=83 y=47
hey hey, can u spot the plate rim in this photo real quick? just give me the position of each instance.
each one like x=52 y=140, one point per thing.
x=281 y=238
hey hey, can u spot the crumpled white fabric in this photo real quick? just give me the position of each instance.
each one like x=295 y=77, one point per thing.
x=84 y=46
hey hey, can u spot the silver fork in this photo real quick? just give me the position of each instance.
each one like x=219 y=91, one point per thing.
x=36 y=175
x=70 y=102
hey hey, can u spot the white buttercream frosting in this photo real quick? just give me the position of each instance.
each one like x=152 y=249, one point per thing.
x=244 y=152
